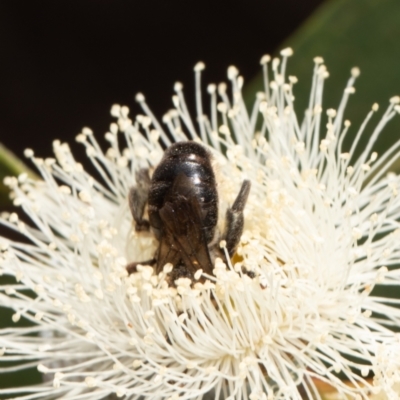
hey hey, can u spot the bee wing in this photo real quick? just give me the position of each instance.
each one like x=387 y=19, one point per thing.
x=182 y=219
x=168 y=252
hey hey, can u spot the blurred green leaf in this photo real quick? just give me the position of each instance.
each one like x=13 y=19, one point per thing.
x=10 y=165
x=348 y=33
x=24 y=377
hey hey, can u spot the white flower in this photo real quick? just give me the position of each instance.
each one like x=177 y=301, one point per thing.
x=321 y=231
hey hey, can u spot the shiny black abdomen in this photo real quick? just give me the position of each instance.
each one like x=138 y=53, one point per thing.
x=192 y=160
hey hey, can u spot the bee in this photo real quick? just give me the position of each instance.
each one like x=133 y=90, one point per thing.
x=182 y=204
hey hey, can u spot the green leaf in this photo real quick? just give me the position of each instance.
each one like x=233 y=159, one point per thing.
x=10 y=165
x=348 y=33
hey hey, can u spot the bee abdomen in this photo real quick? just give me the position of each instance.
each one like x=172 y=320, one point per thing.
x=193 y=161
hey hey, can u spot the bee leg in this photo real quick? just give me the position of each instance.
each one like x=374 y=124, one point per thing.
x=138 y=196
x=234 y=219
x=132 y=267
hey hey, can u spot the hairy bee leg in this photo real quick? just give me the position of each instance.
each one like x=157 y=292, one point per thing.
x=132 y=267
x=138 y=197
x=234 y=219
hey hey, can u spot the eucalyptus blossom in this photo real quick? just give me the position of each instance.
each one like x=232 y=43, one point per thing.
x=293 y=307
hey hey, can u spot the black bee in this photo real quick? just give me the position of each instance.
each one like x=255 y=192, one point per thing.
x=182 y=201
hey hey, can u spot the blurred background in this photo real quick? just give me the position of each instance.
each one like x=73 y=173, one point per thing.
x=64 y=63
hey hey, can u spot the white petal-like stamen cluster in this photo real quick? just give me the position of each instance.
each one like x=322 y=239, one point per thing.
x=321 y=231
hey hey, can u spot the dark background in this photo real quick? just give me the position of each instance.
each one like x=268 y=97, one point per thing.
x=64 y=63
